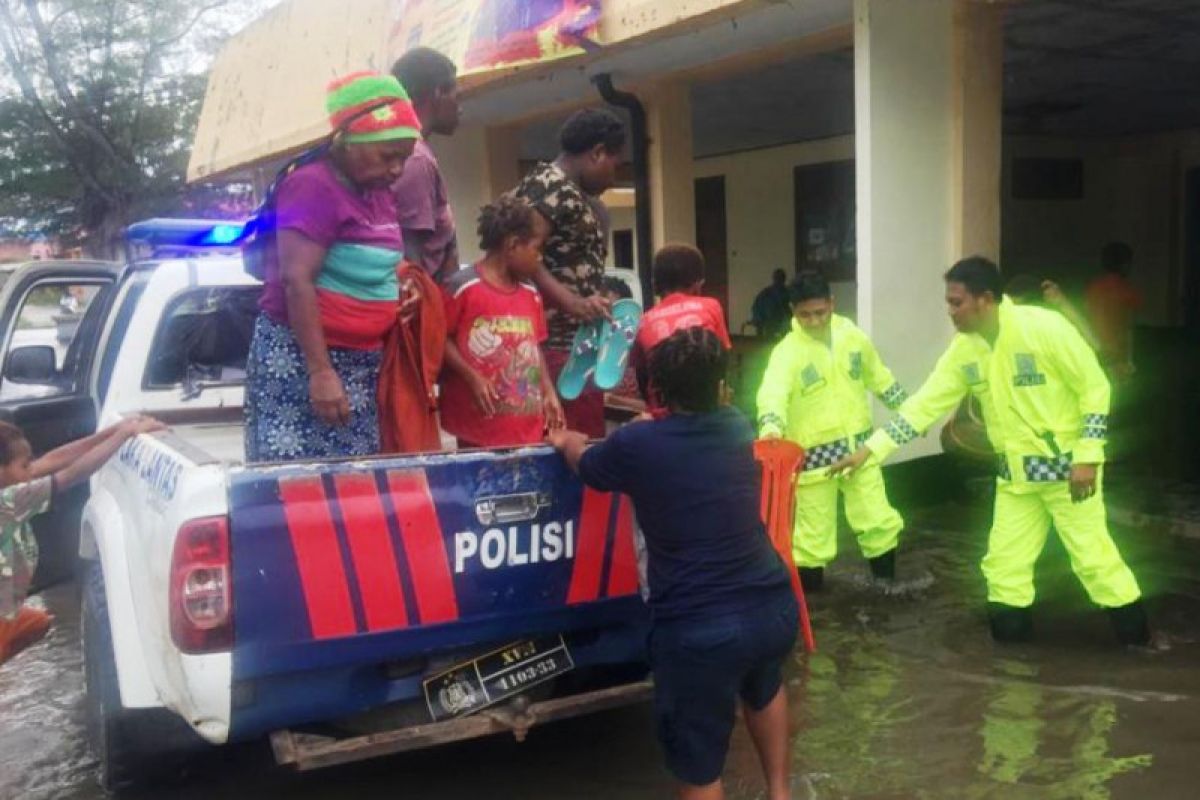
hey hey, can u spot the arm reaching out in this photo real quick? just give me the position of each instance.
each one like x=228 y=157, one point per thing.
x=86 y=464
x=61 y=457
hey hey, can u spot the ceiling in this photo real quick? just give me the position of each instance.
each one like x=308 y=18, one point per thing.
x=1072 y=67
x=1084 y=67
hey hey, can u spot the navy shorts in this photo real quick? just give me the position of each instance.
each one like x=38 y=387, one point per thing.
x=701 y=668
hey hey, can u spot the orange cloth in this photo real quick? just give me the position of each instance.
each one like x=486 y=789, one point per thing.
x=412 y=359
x=26 y=628
x=1111 y=303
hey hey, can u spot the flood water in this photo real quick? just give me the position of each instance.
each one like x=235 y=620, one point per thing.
x=905 y=697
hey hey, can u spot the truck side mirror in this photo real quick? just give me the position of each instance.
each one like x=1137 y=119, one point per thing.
x=31 y=364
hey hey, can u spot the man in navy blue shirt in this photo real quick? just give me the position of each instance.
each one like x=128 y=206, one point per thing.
x=724 y=615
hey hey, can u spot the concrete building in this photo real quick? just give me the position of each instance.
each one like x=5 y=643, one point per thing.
x=878 y=139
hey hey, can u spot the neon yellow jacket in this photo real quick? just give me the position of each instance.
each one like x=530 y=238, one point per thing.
x=816 y=395
x=1043 y=394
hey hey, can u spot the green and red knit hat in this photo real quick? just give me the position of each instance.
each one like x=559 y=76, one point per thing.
x=371 y=107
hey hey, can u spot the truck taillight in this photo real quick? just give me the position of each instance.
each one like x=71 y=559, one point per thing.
x=201 y=590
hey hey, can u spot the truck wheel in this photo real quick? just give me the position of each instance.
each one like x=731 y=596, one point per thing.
x=132 y=745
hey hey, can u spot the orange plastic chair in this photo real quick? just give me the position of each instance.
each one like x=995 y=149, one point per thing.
x=781 y=462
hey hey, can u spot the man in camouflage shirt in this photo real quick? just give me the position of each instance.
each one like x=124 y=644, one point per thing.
x=566 y=192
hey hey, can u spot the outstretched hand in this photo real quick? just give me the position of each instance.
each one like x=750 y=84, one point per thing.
x=850 y=464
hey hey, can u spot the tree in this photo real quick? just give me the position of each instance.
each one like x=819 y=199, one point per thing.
x=97 y=116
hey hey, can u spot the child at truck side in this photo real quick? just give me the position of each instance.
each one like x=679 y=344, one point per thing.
x=815 y=393
x=723 y=612
x=678 y=276
x=496 y=390
x=27 y=487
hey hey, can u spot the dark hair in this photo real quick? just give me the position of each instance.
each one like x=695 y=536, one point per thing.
x=585 y=129
x=979 y=275
x=614 y=285
x=1024 y=289
x=1116 y=256
x=10 y=436
x=778 y=276
x=677 y=267
x=422 y=71
x=686 y=369
x=809 y=285
x=508 y=216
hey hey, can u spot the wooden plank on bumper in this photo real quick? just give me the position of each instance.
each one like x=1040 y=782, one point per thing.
x=307 y=751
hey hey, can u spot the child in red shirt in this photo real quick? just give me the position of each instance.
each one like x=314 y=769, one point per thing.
x=678 y=278
x=496 y=390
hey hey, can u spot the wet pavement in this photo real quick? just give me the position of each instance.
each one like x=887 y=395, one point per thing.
x=906 y=697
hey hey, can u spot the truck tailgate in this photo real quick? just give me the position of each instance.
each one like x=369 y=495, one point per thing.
x=338 y=563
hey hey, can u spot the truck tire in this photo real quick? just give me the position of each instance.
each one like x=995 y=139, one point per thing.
x=131 y=745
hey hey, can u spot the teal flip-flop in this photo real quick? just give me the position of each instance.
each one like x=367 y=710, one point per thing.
x=584 y=349
x=616 y=342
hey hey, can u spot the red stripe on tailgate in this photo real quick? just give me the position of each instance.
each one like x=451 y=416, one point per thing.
x=371 y=549
x=421 y=532
x=318 y=557
x=622 y=573
x=589 y=554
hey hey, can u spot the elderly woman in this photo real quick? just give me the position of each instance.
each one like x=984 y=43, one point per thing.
x=331 y=293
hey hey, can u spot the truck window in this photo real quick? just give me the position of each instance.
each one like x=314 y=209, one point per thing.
x=58 y=318
x=135 y=287
x=203 y=338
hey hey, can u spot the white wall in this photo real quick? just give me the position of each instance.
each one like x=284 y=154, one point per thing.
x=464 y=164
x=1131 y=193
x=761 y=218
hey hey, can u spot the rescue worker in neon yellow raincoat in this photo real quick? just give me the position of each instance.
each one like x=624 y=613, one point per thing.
x=1045 y=403
x=814 y=392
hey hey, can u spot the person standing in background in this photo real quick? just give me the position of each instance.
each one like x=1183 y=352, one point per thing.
x=422 y=203
x=771 y=313
x=1112 y=302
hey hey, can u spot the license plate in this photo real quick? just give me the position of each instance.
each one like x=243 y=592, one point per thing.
x=493 y=677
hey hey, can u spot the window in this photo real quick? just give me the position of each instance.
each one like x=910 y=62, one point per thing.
x=825 y=221
x=623 y=248
x=1047 y=178
x=203 y=339
x=56 y=321
x=127 y=304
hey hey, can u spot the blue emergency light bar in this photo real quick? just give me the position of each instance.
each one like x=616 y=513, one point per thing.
x=165 y=232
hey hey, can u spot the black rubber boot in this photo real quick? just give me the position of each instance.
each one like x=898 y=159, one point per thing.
x=884 y=567
x=811 y=578
x=1130 y=625
x=1010 y=623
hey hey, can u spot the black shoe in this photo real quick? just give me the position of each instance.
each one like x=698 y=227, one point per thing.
x=1130 y=625
x=884 y=567
x=811 y=578
x=1010 y=623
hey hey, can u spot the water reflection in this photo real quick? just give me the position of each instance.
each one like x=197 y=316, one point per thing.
x=1059 y=744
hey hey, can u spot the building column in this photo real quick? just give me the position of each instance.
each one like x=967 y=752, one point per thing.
x=977 y=95
x=478 y=164
x=927 y=160
x=672 y=190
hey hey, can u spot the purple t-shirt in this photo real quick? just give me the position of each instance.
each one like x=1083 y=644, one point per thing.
x=423 y=207
x=314 y=202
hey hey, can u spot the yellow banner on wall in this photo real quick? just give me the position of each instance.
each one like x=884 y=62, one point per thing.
x=483 y=35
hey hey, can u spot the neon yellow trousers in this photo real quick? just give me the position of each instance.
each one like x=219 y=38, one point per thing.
x=872 y=518
x=1019 y=528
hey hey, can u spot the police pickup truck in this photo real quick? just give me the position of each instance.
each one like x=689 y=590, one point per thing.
x=345 y=608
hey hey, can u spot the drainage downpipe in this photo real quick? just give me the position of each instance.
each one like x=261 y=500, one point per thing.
x=641 y=178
